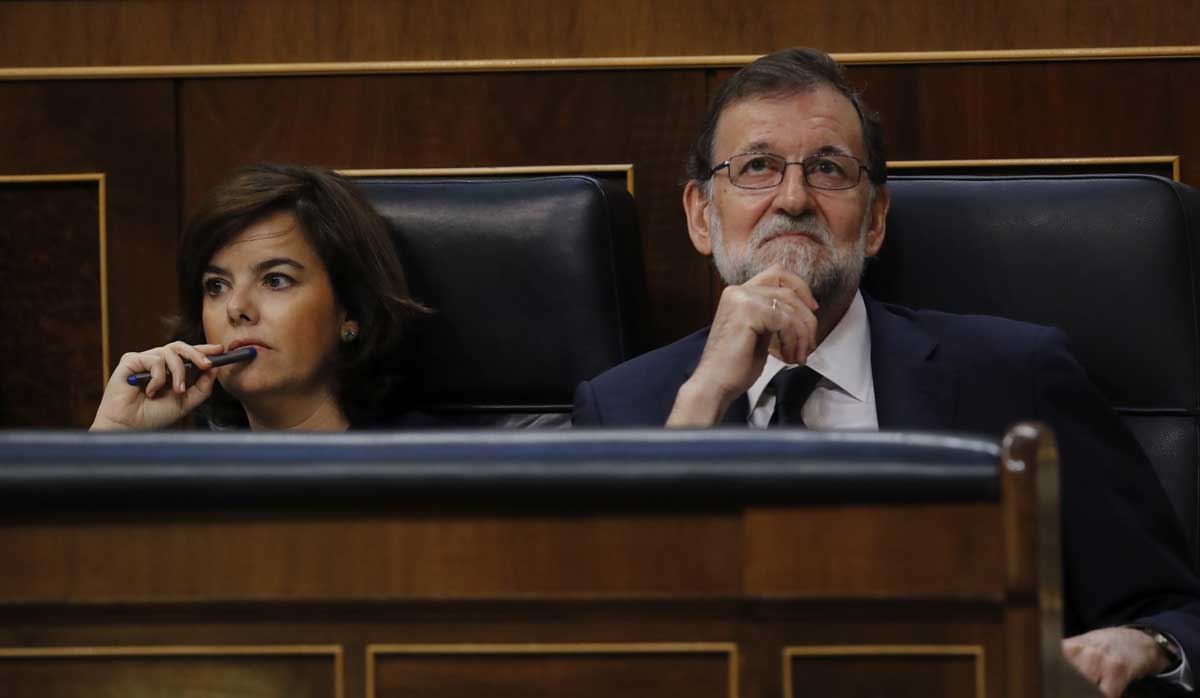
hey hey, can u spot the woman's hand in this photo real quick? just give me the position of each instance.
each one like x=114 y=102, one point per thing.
x=167 y=398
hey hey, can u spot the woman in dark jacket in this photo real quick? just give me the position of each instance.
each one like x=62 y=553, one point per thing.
x=294 y=263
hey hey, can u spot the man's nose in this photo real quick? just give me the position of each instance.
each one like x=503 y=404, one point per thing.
x=792 y=196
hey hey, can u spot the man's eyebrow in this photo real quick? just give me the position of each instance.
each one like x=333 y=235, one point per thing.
x=832 y=150
x=757 y=147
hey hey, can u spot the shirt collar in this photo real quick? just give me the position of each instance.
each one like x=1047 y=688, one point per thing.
x=843 y=358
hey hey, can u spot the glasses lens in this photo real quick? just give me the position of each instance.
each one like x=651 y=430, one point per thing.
x=832 y=172
x=756 y=170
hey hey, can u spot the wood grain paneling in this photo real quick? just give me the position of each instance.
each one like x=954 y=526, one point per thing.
x=580 y=670
x=834 y=554
x=357 y=123
x=125 y=130
x=87 y=32
x=1037 y=110
x=50 y=250
x=760 y=631
x=903 y=672
x=89 y=672
x=415 y=558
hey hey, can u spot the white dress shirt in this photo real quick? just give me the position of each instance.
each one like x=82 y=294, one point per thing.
x=845 y=396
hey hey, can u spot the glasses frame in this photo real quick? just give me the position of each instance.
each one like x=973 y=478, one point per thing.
x=786 y=164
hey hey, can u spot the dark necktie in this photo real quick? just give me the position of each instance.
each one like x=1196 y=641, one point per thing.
x=792 y=387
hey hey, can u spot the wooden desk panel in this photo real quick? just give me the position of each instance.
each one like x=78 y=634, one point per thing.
x=221 y=558
x=83 y=672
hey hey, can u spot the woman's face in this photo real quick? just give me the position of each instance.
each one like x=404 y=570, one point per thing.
x=267 y=288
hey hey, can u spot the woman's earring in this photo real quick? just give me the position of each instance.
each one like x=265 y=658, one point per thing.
x=350 y=331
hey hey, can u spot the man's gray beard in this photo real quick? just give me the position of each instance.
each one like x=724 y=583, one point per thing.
x=828 y=270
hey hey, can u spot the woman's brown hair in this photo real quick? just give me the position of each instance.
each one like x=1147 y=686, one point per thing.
x=352 y=240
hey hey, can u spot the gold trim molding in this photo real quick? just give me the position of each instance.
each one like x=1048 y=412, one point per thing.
x=625 y=168
x=335 y=651
x=973 y=651
x=558 y=64
x=1172 y=160
x=727 y=648
x=102 y=184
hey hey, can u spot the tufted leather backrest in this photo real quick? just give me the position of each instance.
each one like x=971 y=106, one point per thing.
x=532 y=282
x=1110 y=259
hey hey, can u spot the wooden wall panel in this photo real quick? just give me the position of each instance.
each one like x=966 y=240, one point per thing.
x=644 y=118
x=1089 y=109
x=88 y=673
x=545 y=671
x=127 y=32
x=50 y=262
x=125 y=130
x=883 y=671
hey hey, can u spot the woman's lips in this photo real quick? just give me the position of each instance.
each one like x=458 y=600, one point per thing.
x=251 y=342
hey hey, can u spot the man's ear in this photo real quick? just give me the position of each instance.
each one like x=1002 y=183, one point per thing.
x=696 y=208
x=877 y=229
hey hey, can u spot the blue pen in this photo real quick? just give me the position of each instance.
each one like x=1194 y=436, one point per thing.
x=229 y=357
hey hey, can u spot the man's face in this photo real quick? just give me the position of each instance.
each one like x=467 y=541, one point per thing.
x=821 y=235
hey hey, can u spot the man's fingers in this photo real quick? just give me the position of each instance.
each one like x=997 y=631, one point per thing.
x=778 y=277
x=1113 y=685
x=793 y=323
x=1111 y=658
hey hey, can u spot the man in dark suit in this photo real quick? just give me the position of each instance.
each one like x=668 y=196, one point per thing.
x=788 y=193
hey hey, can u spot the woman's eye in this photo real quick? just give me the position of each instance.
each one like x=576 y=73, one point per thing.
x=757 y=165
x=277 y=280
x=214 y=287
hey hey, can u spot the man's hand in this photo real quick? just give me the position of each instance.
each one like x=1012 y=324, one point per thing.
x=1112 y=658
x=775 y=311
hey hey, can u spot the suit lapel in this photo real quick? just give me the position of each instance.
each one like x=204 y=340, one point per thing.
x=912 y=389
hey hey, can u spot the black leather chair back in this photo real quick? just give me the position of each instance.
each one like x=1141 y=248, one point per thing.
x=532 y=282
x=1110 y=259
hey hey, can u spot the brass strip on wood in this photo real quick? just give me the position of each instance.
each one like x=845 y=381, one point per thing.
x=1172 y=160
x=727 y=648
x=974 y=651
x=626 y=168
x=102 y=187
x=504 y=65
x=169 y=651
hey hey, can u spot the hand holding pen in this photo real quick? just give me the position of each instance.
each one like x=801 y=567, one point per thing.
x=177 y=378
x=229 y=357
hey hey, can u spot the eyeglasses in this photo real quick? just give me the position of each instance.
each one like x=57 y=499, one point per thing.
x=764 y=170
